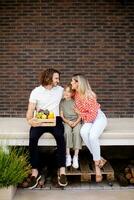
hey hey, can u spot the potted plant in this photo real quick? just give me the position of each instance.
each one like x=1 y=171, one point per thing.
x=14 y=168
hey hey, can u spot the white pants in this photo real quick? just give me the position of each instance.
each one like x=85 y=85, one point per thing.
x=90 y=133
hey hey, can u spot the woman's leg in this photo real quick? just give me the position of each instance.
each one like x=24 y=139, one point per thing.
x=96 y=130
x=84 y=132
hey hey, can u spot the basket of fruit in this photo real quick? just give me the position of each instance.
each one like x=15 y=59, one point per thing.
x=46 y=117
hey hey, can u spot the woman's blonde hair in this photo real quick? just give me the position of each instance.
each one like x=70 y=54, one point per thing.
x=84 y=87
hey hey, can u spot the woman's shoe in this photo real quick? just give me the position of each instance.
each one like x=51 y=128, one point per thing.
x=98 y=176
x=102 y=163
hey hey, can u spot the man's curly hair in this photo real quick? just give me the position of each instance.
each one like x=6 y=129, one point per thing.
x=47 y=76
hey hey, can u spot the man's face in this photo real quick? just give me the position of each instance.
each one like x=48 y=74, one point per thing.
x=56 y=79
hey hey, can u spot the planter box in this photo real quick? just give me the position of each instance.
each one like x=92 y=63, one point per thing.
x=7 y=193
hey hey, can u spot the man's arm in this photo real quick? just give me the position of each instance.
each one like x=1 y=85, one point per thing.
x=30 y=115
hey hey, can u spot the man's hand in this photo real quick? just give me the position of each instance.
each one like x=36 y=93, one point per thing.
x=33 y=122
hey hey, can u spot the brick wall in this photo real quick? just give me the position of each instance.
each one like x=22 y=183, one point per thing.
x=92 y=37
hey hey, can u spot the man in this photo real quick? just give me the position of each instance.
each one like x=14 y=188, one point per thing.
x=46 y=96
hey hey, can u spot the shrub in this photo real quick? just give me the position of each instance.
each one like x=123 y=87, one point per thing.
x=14 y=167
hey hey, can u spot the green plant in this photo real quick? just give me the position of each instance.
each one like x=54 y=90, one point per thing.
x=14 y=167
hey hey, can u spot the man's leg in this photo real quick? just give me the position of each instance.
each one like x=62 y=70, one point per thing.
x=35 y=134
x=58 y=133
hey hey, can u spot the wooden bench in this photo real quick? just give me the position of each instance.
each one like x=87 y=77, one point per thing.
x=15 y=131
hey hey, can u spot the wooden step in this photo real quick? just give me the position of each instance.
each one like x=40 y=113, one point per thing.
x=86 y=171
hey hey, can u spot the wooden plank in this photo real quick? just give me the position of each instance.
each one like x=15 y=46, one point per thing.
x=84 y=166
x=72 y=171
x=110 y=177
x=107 y=169
x=85 y=177
x=85 y=170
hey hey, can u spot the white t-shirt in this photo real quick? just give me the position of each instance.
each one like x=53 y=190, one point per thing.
x=47 y=99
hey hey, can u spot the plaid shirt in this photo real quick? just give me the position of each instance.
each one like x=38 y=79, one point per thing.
x=88 y=108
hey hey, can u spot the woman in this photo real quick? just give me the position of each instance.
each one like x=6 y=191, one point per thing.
x=94 y=120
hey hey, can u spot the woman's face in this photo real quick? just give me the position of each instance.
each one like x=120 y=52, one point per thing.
x=74 y=84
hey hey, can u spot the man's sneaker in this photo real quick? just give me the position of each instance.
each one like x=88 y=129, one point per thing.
x=68 y=160
x=62 y=180
x=75 y=162
x=34 y=181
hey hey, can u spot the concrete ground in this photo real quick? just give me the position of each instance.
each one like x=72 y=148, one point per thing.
x=80 y=190
x=72 y=194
